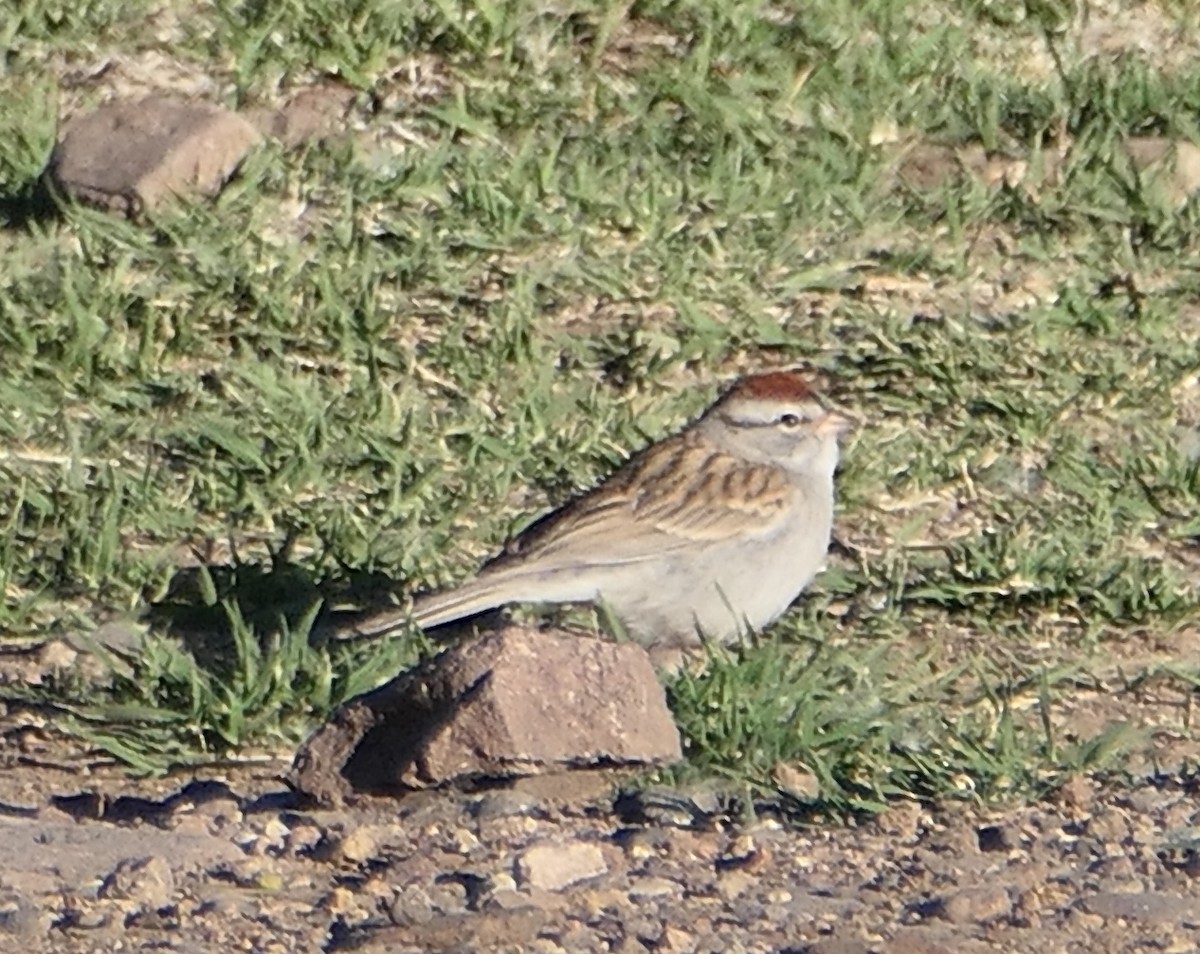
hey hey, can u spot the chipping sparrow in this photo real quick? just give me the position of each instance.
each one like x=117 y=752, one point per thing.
x=715 y=529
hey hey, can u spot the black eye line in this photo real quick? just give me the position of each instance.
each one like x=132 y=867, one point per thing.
x=788 y=419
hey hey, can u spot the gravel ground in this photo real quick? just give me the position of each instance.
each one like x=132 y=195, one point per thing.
x=92 y=862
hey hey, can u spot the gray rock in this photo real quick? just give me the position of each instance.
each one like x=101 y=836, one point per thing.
x=412 y=905
x=553 y=867
x=149 y=881
x=504 y=804
x=448 y=897
x=1152 y=907
x=975 y=905
x=311 y=115
x=654 y=889
x=131 y=155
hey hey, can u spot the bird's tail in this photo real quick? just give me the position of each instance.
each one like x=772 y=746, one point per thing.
x=449 y=606
x=433 y=609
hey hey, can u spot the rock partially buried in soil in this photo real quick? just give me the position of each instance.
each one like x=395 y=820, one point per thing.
x=131 y=155
x=1170 y=167
x=506 y=704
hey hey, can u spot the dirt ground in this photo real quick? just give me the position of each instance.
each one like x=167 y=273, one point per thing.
x=229 y=858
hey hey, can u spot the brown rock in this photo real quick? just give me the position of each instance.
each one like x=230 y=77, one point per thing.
x=1110 y=825
x=360 y=844
x=927 y=166
x=129 y=156
x=509 y=703
x=1076 y=792
x=797 y=780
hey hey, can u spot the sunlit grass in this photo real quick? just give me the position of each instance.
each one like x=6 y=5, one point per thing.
x=374 y=359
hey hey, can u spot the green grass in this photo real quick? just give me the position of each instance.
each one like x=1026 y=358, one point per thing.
x=869 y=732
x=373 y=359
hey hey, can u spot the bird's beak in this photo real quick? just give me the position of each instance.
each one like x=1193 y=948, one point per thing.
x=835 y=423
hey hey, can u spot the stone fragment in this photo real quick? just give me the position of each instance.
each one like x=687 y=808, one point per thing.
x=993 y=838
x=1171 y=167
x=313 y=114
x=360 y=845
x=797 y=780
x=654 y=889
x=736 y=883
x=148 y=881
x=131 y=155
x=1152 y=907
x=492 y=930
x=509 y=703
x=411 y=906
x=553 y=867
x=975 y=905
x=504 y=803
x=927 y=166
x=1076 y=792
x=839 y=945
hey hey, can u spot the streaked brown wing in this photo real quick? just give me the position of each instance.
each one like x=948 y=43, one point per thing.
x=668 y=497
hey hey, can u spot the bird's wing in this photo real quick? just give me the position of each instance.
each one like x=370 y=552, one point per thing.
x=673 y=495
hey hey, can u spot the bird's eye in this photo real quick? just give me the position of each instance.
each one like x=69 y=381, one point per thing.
x=790 y=420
